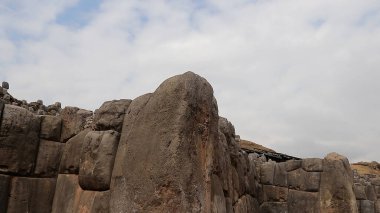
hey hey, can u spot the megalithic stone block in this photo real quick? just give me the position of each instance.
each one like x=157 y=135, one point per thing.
x=110 y=115
x=51 y=127
x=18 y=140
x=33 y=195
x=4 y=192
x=48 y=158
x=97 y=159
x=71 y=154
x=164 y=156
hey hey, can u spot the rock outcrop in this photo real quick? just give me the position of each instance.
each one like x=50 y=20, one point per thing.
x=166 y=151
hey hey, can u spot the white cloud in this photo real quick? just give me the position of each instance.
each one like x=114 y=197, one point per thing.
x=300 y=77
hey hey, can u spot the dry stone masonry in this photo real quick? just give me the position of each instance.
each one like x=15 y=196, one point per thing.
x=166 y=151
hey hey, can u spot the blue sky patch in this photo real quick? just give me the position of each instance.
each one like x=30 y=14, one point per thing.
x=78 y=15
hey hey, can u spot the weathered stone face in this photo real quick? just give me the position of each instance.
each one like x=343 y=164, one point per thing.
x=97 y=159
x=51 y=127
x=18 y=140
x=31 y=195
x=48 y=158
x=170 y=138
x=110 y=115
x=73 y=121
x=4 y=192
x=336 y=188
x=299 y=201
x=67 y=194
x=71 y=154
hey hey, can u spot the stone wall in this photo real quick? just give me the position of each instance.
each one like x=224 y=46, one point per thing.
x=166 y=151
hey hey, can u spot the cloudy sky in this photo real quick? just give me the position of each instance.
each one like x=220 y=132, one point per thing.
x=301 y=77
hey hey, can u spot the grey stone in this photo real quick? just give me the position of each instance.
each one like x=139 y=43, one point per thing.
x=370 y=192
x=336 y=188
x=359 y=191
x=18 y=140
x=93 y=202
x=48 y=158
x=302 y=180
x=67 y=194
x=97 y=159
x=280 y=175
x=377 y=191
x=293 y=165
x=51 y=127
x=172 y=149
x=34 y=195
x=274 y=207
x=367 y=206
x=267 y=173
x=312 y=164
x=71 y=154
x=17 y=120
x=377 y=206
x=4 y=192
x=110 y=115
x=275 y=193
x=5 y=85
x=299 y=202
x=375 y=181
x=218 y=201
x=73 y=121
x=246 y=204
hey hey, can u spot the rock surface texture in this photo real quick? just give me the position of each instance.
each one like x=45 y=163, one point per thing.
x=166 y=151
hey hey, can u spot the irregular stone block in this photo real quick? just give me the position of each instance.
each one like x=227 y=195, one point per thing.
x=377 y=191
x=18 y=140
x=274 y=207
x=93 y=202
x=246 y=204
x=51 y=127
x=370 y=193
x=267 y=173
x=17 y=120
x=179 y=117
x=375 y=181
x=312 y=164
x=275 y=193
x=299 y=202
x=359 y=191
x=293 y=165
x=48 y=158
x=110 y=115
x=280 y=175
x=336 y=191
x=97 y=159
x=31 y=195
x=67 y=194
x=74 y=120
x=218 y=201
x=4 y=192
x=71 y=154
x=302 y=180
x=377 y=206
x=367 y=206
x=18 y=153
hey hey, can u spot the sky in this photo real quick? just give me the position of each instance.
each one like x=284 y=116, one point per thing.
x=300 y=77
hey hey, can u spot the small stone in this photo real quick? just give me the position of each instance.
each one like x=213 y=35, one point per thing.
x=40 y=102
x=58 y=104
x=5 y=85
